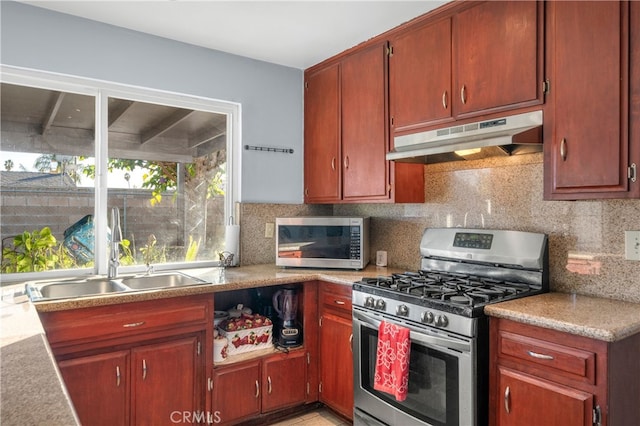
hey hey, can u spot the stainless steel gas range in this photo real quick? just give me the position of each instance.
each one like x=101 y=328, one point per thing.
x=462 y=270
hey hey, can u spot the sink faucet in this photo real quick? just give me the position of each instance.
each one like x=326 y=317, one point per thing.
x=116 y=239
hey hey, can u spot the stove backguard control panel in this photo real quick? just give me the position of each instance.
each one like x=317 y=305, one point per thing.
x=473 y=240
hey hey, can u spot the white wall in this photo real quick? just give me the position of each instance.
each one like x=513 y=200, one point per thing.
x=270 y=94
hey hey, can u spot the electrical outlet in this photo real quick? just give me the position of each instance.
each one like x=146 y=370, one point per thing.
x=269 y=229
x=381 y=258
x=632 y=245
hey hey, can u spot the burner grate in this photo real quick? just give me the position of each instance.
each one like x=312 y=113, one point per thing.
x=449 y=287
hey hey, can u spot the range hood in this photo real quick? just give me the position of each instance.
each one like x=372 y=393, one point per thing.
x=510 y=135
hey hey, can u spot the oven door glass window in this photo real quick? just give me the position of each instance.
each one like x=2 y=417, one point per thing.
x=433 y=381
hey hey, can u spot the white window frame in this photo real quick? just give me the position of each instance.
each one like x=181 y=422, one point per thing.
x=102 y=91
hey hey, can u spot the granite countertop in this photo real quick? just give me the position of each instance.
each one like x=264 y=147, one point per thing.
x=597 y=318
x=32 y=390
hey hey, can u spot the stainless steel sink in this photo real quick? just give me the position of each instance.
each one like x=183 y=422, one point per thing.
x=102 y=285
x=161 y=280
x=70 y=289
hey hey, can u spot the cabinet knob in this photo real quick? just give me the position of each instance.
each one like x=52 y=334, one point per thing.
x=563 y=149
x=257 y=389
x=118 y=376
x=144 y=369
x=333 y=163
x=269 y=385
x=463 y=94
x=444 y=99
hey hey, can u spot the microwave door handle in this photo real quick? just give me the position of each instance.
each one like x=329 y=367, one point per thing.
x=425 y=339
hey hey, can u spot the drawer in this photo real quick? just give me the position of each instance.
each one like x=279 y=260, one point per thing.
x=564 y=360
x=125 y=319
x=336 y=296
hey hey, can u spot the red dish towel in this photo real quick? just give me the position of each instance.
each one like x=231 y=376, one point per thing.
x=392 y=360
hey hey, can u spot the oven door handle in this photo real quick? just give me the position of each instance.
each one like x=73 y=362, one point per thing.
x=418 y=336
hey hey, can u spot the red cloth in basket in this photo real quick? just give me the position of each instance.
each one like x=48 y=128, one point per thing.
x=392 y=360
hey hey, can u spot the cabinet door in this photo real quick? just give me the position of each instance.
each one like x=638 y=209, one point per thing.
x=498 y=56
x=284 y=380
x=364 y=131
x=587 y=156
x=523 y=398
x=322 y=170
x=99 y=387
x=336 y=364
x=165 y=381
x=236 y=392
x=420 y=76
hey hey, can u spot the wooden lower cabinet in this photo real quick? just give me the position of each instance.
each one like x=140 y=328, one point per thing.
x=335 y=351
x=165 y=381
x=247 y=389
x=542 y=376
x=284 y=380
x=528 y=397
x=137 y=363
x=236 y=392
x=336 y=364
x=147 y=385
x=98 y=387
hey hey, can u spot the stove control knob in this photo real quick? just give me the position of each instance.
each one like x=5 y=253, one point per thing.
x=402 y=310
x=380 y=304
x=442 y=321
x=427 y=317
x=369 y=302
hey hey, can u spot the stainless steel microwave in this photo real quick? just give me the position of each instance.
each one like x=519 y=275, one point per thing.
x=322 y=242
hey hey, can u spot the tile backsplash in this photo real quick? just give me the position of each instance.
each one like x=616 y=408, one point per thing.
x=586 y=238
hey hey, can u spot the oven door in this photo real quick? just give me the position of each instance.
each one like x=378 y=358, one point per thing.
x=442 y=385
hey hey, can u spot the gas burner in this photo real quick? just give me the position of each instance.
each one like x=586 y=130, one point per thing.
x=384 y=282
x=460 y=299
x=449 y=287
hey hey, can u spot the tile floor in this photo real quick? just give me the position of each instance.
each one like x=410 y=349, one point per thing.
x=319 y=417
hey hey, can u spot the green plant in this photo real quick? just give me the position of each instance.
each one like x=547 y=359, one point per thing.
x=35 y=252
x=126 y=256
x=192 y=250
x=152 y=253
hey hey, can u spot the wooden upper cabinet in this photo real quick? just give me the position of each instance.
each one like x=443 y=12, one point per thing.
x=364 y=133
x=498 y=56
x=480 y=58
x=347 y=135
x=587 y=147
x=322 y=171
x=420 y=76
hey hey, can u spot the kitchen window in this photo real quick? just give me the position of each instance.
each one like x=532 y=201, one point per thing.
x=73 y=149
